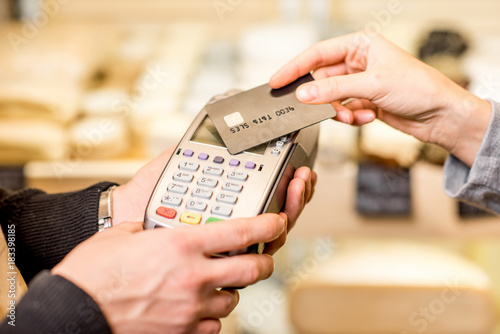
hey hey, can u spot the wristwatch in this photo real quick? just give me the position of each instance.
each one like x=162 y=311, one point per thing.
x=105 y=209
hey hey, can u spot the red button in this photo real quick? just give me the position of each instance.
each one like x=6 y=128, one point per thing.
x=166 y=212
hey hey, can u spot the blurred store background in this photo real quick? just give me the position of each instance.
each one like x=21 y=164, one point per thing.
x=91 y=90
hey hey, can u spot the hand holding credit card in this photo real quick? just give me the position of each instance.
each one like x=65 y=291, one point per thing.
x=261 y=114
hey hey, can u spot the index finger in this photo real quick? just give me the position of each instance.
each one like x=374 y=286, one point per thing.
x=239 y=233
x=328 y=52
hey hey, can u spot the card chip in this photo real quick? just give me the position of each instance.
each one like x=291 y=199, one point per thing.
x=233 y=119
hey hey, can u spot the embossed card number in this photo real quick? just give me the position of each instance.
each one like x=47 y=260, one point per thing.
x=262 y=114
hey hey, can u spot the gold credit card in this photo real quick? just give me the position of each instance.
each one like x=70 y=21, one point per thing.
x=262 y=114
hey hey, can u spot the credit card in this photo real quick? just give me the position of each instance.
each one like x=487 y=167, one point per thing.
x=261 y=114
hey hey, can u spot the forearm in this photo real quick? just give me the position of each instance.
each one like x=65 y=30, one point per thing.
x=48 y=227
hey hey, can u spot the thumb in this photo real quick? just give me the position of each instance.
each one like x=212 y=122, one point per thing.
x=337 y=88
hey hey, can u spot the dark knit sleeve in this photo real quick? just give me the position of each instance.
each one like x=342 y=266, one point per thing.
x=55 y=305
x=49 y=226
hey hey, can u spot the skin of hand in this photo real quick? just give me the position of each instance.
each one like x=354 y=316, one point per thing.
x=165 y=280
x=386 y=82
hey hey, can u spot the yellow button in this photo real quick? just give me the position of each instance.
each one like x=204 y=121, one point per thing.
x=190 y=218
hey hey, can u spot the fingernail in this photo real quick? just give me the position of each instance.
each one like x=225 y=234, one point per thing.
x=344 y=117
x=307 y=93
x=283 y=222
x=366 y=118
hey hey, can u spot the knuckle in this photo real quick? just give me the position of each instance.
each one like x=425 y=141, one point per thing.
x=317 y=45
x=318 y=49
x=183 y=247
x=243 y=236
x=185 y=317
x=202 y=280
x=253 y=271
x=215 y=326
x=270 y=228
x=197 y=308
x=228 y=307
x=193 y=280
x=193 y=310
x=333 y=88
x=377 y=79
x=184 y=244
x=268 y=232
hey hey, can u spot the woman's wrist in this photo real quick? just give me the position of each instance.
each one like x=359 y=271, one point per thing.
x=464 y=126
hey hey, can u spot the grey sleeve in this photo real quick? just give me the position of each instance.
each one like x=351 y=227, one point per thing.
x=480 y=184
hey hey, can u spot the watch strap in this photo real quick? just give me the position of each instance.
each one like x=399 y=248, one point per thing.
x=105 y=209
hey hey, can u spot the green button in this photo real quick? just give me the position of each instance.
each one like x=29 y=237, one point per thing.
x=213 y=220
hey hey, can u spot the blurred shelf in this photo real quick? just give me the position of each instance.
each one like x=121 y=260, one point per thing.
x=63 y=176
x=332 y=210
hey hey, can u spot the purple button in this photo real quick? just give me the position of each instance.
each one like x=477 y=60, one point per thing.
x=234 y=163
x=250 y=165
x=203 y=156
x=188 y=153
x=218 y=160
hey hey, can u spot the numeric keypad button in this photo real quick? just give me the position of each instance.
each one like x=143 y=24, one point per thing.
x=212 y=170
x=189 y=166
x=202 y=193
x=227 y=198
x=222 y=210
x=208 y=182
x=237 y=175
x=232 y=186
x=196 y=205
x=183 y=177
x=171 y=200
x=177 y=188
